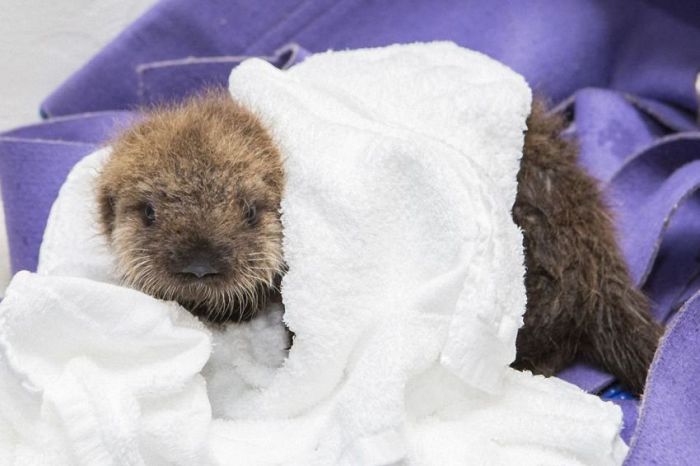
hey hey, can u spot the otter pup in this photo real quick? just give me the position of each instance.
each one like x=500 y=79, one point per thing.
x=189 y=202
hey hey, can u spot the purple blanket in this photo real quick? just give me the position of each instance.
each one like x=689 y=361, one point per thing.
x=624 y=71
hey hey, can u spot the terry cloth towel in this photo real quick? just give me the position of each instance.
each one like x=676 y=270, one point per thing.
x=405 y=291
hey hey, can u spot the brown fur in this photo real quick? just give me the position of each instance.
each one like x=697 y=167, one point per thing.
x=201 y=163
x=581 y=301
x=202 y=166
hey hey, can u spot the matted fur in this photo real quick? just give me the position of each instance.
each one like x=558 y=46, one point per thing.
x=202 y=166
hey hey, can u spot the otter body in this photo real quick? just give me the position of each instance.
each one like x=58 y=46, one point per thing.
x=581 y=301
x=189 y=202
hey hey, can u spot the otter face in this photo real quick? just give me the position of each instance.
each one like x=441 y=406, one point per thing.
x=189 y=202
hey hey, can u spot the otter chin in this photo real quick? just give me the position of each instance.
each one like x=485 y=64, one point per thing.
x=189 y=201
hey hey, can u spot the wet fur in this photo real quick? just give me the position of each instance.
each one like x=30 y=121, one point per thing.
x=201 y=162
x=581 y=301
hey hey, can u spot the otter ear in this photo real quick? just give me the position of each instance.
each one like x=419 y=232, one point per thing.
x=105 y=209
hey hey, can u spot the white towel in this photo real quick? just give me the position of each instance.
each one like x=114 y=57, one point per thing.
x=405 y=291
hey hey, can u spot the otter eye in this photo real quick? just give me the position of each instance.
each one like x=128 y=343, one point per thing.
x=149 y=214
x=251 y=214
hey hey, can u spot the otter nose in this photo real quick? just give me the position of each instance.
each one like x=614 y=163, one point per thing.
x=200 y=268
x=200 y=263
x=200 y=260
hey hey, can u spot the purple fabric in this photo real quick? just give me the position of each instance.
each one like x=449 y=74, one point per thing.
x=589 y=378
x=629 y=415
x=170 y=80
x=34 y=162
x=92 y=128
x=669 y=426
x=631 y=45
x=34 y=175
x=624 y=72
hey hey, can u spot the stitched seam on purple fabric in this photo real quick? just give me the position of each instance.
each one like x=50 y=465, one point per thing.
x=60 y=118
x=44 y=141
x=143 y=68
x=293 y=48
x=194 y=60
x=284 y=57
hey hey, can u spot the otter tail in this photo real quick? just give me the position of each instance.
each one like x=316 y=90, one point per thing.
x=622 y=338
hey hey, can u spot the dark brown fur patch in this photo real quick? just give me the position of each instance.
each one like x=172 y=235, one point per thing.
x=580 y=299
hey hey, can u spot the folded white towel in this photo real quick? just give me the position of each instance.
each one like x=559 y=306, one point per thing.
x=405 y=292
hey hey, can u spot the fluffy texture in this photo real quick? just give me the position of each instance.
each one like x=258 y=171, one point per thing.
x=189 y=201
x=581 y=301
x=405 y=309
x=204 y=178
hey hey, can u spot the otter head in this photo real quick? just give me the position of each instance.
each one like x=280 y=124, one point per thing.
x=189 y=203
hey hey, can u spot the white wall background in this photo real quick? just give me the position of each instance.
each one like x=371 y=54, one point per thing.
x=41 y=43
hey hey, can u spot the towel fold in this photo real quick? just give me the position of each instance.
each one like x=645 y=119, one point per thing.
x=405 y=292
